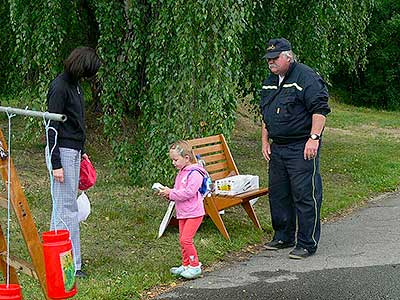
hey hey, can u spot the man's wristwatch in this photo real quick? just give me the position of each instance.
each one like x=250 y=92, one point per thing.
x=315 y=137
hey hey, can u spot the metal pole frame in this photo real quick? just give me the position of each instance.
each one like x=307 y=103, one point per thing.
x=33 y=113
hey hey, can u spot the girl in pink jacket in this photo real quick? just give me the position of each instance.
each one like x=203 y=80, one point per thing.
x=188 y=205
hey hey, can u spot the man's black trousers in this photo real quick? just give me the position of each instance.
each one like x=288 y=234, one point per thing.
x=295 y=190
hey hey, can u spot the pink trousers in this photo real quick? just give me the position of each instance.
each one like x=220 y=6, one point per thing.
x=187 y=231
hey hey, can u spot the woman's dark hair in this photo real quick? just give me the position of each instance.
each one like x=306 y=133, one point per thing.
x=82 y=62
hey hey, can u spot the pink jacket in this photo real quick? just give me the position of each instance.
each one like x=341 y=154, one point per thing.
x=188 y=200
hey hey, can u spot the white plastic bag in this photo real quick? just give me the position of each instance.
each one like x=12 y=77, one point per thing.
x=83 y=207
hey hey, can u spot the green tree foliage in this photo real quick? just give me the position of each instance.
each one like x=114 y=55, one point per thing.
x=378 y=84
x=45 y=32
x=6 y=45
x=175 y=69
x=39 y=32
x=121 y=46
x=324 y=35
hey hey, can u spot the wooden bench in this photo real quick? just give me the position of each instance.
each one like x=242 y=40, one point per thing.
x=220 y=164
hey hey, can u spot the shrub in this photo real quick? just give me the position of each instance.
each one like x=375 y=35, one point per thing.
x=378 y=84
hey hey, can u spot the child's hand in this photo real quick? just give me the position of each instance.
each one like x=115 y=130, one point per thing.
x=165 y=192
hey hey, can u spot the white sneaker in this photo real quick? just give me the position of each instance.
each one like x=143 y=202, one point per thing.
x=192 y=272
x=178 y=270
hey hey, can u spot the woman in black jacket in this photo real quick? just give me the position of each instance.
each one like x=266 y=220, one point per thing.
x=65 y=96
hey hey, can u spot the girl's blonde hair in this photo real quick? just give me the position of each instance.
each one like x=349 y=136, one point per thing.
x=183 y=148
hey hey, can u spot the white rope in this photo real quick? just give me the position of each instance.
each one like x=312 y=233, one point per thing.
x=9 y=115
x=49 y=154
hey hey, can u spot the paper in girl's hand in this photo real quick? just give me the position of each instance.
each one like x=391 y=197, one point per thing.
x=157 y=187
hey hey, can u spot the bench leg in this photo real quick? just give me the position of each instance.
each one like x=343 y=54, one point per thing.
x=250 y=211
x=213 y=213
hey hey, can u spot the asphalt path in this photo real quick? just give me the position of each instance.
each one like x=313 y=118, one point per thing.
x=358 y=258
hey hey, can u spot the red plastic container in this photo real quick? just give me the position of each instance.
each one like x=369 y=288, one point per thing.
x=59 y=263
x=10 y=292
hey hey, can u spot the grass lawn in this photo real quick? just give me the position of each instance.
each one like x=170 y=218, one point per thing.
x=122 y=255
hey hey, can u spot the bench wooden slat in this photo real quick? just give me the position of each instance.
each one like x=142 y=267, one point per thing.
x=205 y=140
x=217 y=167
x=212 y=149
x=253 y=194
x=246 y=195
x=209 y=159
x=219 y=175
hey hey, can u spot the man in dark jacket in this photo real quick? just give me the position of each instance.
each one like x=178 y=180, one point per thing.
x=66 y=143
x=294 y=105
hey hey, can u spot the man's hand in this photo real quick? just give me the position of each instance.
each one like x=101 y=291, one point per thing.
x=85 y=156
x=266 y=150
x=58 y=175
x=311 y=149
x=265 y=145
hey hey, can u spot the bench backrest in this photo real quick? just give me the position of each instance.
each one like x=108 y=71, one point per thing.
x=215 y=152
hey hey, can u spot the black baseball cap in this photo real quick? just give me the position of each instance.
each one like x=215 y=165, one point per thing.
x=276 y=46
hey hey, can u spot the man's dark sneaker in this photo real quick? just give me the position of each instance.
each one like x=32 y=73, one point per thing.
x=80 y=274
x=299 y=253
x=278 y=244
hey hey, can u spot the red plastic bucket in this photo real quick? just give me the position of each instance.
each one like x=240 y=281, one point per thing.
x=10 y=292
x=59 y=263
